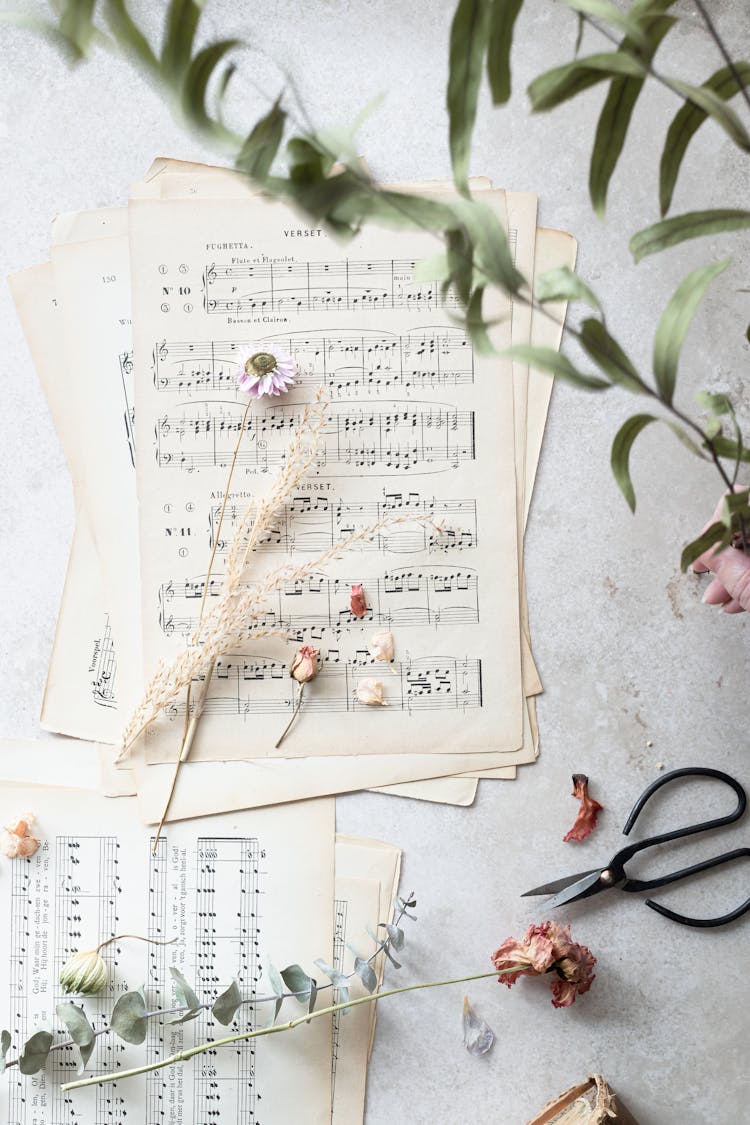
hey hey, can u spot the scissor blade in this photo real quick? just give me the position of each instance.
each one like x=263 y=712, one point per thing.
x=559 y=884
x=582 y=889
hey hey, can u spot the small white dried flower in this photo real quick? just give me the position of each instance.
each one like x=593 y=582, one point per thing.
x=381 y=645
x=84 y=973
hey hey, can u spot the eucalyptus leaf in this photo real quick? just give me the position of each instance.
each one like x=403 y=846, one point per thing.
x=716 y=108
x=395 y=936
x=564 y=82
x=389 y=954
x=713 y=535
x=674 y=324
x=225 y=1006
x=563 y=284
x=688 y=120
x=297 y=981
x=693 y=224
x=274 y=977
x=604 y=350
x=5 y=1041
x=614 y=119
x=337 y=979
x=503 y=15
x=491 y=251
x=620 y=456
x=478 y=1035
x=35 y=1052
x=128 y=1019
x=468 y=44
x=555 y=363
x=366 y=973
x=184 y=992
x=81 y=1031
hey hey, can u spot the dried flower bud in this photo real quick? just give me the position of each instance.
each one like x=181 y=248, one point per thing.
x=304 y=667
x=588 y=811
x=370 y=692
x=381 y=645
x=357 y=601
x=84 y=973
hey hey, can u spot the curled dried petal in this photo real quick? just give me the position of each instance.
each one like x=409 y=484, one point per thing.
x=370 y=692
x=588 y=810
x=381 y=645
x=357 y=601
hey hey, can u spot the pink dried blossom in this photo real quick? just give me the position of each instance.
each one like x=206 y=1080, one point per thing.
x=265 y=370
x=304 y=665
x=357 y=601
x=370 y=692
x=18 y=847
x=588 y=810
x=548 y=949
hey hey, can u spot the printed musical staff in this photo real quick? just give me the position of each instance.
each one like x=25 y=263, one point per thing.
x=314 y=523
x=104 y=668
x=157 y=975
x=345 y=363
x=249 y=687
x=317 y=606
x=399 y=437
x=340 y=910
x=336 y=286
x=126 y=378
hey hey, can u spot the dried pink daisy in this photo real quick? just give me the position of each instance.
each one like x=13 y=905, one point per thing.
x=265 y=370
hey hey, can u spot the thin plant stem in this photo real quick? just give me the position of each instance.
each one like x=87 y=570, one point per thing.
x=288 y=726
x=713 y=32
x=133 y=937
x=274 y=1029
x=190 y=725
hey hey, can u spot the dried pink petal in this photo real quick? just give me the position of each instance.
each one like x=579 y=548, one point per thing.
x=357 y=601
x=381 y=645
x=27 y=846
x=548 y=949
x=9 y=845
x=588 y=810
x=22 y=825
x=370 y=692
x=533 y=954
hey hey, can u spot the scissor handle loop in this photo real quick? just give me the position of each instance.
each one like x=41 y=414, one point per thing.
x=628 y=852
x=702 y=923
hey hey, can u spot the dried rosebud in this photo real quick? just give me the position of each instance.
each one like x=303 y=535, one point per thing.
x=547 y=949
x=18 y=847
x=588 y=810
x=84 y=973
x=381 y=645
x=304 y=667
x=357 y=601
x=370 y=692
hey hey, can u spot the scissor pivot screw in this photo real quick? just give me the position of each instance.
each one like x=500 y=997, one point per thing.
x=607 y=878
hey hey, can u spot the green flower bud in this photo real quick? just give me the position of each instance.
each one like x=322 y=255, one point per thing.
x=84 y=973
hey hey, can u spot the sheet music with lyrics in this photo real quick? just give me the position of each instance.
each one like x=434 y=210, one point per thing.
x=235 y=891
x=420 y=425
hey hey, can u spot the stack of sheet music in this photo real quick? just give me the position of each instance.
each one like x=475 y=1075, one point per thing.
x=134 y=327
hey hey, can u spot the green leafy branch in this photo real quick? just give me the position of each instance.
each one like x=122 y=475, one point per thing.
x=130 y=1016
x=329 y=184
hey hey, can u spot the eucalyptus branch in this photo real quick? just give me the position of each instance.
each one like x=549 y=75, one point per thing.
x=273 y=1029
x=381 y=946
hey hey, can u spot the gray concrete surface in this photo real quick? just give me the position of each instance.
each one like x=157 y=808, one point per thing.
x=636 y=670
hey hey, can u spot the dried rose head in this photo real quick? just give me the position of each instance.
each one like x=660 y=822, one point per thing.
x=547 y=949
x=304 y=666
x=265 y=370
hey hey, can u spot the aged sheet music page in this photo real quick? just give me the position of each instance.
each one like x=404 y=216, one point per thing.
x=401 y=424
x=235 y=891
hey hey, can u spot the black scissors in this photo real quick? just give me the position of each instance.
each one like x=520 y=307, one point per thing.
x=588 y=883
